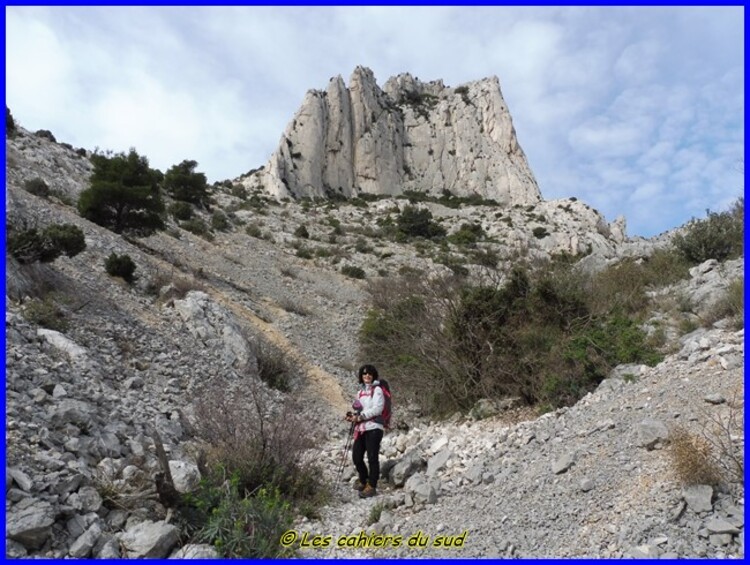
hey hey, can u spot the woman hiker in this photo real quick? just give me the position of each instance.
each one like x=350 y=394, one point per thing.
x=368 y=431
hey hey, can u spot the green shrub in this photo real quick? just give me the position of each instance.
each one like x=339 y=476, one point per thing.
x=719 y=236
x=664 y=267
x=37 y=187
x=417 y=222
x=68 y=238
x=10 y=124
x=197 y=226
x=361 y=246
x=621 y=286
x=455 y=264
x=534 y=336
x=30 y=245
x=353 y=272
x=236 y=523
x=219 y=221
x=237 y=190
x=120 y=266
x=613 y=341
x=463 y=91
x=181 y=210
x=334 y=223
x=253 y=230
x=467 y=234
x=485 y=257
x=540 y=232
x=45 y=134
x=302 y=232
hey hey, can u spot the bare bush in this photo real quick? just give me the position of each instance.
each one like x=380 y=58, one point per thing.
x=692 y=458
x=723 y=431
x=249 y=432
x=430 y=368
x=619 y=286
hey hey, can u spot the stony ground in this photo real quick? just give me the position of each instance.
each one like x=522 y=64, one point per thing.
x=594 y=480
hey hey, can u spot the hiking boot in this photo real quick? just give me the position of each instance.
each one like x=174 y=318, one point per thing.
x=359 y=486
x=368 y=492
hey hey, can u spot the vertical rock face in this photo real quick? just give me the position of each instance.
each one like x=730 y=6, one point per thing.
x=409 y=135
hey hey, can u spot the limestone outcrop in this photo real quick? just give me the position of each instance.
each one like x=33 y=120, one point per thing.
x=407 y=136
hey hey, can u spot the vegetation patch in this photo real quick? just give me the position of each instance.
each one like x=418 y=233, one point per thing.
x=353 y=272
x=37 y=186
x=719 y=236
x=32 y=245
x=536 y=335
x=46 y=313
x=120 y=266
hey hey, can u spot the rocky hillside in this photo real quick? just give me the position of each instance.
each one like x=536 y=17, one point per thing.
x=408 y=136
x=89 y=404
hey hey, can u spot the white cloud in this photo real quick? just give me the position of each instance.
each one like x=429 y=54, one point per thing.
x=38 y=69
x=647 y=192
x=605 y=137
x=638 y=62
x=607 y=102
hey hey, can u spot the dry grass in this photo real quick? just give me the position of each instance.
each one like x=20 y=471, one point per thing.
x=731 y=304
x=172 y=285
x=46 y=313
x=117 y=492
x=294 y=306
x=693 y=458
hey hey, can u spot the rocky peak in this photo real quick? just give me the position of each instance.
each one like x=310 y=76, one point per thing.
x=400 y=85
x=410 y=135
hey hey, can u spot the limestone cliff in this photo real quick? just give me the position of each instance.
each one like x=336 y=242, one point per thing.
x=409 y=135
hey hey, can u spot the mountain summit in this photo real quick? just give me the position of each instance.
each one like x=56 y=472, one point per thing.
x=409 y=135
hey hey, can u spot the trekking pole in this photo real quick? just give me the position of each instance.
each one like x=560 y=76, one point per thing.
x=347 y=445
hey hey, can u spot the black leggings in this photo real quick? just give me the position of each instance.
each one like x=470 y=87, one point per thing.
x=368 y=442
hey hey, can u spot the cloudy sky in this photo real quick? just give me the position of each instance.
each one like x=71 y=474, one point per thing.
x=637 y=111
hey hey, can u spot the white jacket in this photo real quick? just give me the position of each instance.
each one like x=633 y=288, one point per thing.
x=372 y=400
